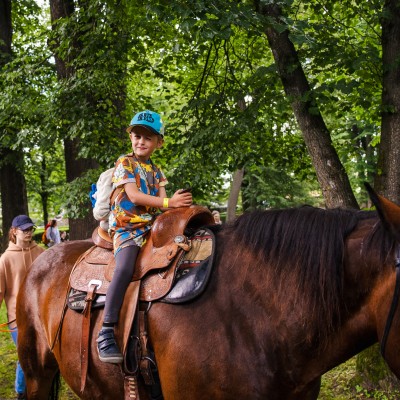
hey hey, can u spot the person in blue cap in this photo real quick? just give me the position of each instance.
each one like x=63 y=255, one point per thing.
x=139 y=192
x=15 y=262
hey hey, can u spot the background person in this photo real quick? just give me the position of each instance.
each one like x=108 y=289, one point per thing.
x=53 y=234
x=217 y=217
x=63 y=236
x=14 y=265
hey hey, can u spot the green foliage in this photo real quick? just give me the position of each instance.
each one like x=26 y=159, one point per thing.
x=341 y=43
x=89 y=102
x=207 y=67
x=26 y=80
x=76 y=194
x=344 y=382
x=45 y=178
x=7 y=360
x=269 y=187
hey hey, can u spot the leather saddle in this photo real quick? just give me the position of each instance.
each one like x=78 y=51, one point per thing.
x=177 y=241
x=157 y=263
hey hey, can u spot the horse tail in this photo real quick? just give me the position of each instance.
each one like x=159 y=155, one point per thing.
x=55 y=386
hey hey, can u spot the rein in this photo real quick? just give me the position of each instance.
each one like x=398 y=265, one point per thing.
x=394 y=304
x=6 y=324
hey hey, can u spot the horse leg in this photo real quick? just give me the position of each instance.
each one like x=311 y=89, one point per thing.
x=38 y=363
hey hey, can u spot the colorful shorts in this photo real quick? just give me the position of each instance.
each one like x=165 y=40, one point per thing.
x=124 y=238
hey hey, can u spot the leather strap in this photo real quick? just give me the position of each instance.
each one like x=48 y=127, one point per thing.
x=131 y=391
x=65 y=307
x=128 y=310
x=146 y=360
x=86 y=333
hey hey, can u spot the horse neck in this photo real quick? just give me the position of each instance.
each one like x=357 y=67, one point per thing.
x=367 y=281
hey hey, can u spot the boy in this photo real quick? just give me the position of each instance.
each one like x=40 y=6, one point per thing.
x=142 y=193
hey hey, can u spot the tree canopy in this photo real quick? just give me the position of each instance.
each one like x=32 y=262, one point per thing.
x=211 y=68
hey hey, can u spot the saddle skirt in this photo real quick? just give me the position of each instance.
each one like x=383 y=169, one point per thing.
x=168 y=252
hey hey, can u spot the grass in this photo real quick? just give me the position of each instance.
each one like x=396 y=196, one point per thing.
x=7 y=360
x=341 y=383
x=344 y=383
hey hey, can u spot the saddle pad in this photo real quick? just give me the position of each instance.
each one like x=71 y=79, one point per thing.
x=194 y=271
x=76 y=300
x=201 y=249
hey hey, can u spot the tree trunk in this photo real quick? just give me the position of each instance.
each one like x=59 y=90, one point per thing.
x=234 y=194
x=387 y=180
x=14 y=200
x=5 y=29
x=331 y=174
x=249 y=202
x=374 y=371
x=79 y=228
x=44 y=194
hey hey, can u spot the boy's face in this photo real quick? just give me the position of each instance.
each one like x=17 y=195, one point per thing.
x=144 y=142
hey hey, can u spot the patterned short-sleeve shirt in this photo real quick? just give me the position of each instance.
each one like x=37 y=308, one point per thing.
x=129 y=221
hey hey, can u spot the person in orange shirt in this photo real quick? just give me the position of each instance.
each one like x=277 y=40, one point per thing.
x=15 y=262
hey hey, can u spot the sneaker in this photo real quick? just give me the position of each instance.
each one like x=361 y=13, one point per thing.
x=107 y=347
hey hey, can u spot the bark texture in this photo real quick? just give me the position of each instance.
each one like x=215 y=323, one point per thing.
x=330 y=172
x=387 y=181
x=234 y=194
x=80 y=228
x=12 y=181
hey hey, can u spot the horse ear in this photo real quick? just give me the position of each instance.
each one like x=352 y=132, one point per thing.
x=388 y=211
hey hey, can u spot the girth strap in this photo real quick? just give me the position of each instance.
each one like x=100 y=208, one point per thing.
x=86 y=333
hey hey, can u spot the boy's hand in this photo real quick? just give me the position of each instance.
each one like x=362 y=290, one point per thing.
x=180 y=199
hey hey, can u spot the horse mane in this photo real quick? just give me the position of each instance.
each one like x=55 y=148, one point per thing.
x=304 y=248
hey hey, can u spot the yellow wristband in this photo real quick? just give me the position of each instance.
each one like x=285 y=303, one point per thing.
x=165 y=202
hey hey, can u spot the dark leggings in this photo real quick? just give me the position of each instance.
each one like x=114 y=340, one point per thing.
x=124 y=266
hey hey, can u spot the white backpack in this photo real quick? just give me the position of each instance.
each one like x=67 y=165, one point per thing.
x=101 y=209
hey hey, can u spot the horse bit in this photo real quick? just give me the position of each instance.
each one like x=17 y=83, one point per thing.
x=394 y=304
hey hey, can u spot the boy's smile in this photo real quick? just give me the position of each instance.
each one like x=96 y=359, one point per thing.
x=144 y=142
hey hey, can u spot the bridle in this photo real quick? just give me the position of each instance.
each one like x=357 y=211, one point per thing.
x=394 y=304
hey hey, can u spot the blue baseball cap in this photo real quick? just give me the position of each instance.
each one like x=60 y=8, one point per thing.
x=150 y=120
x=22 y=222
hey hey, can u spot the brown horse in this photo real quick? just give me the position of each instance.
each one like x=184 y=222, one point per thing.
x=293 y=293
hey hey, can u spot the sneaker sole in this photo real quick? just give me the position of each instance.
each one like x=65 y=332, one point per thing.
x=111 y=360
